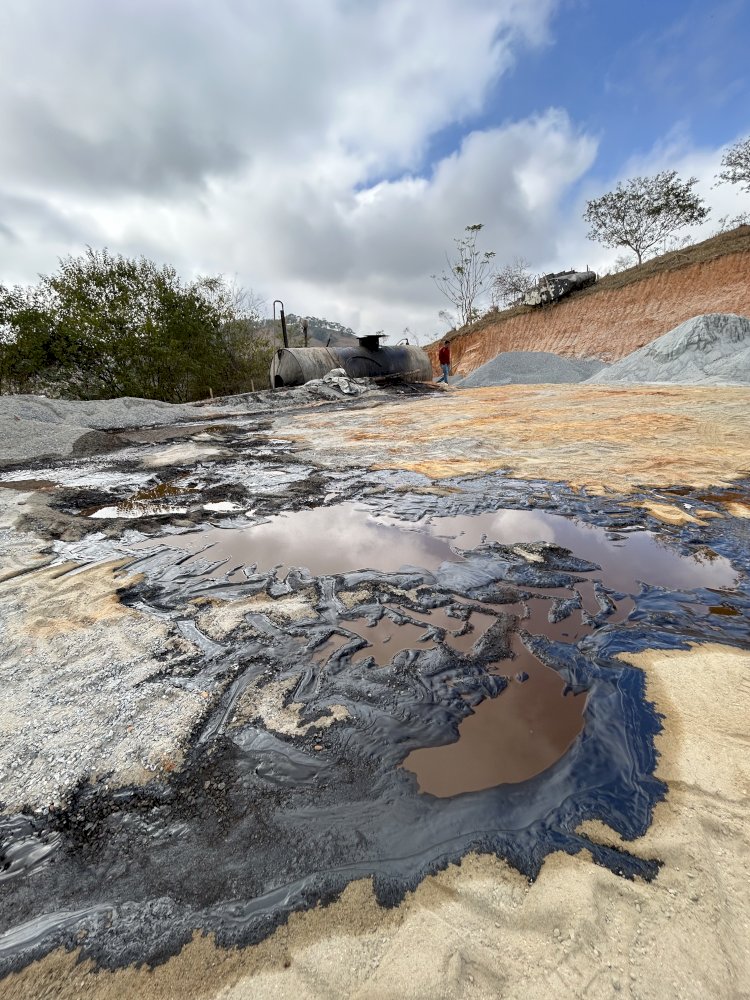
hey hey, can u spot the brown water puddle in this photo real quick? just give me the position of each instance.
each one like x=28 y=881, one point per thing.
x=29 y=485
x=330 y=646
x=386 y=637
x=531 y=724
x=345 y=537
x=507 y=739
x=324 y=540
x=625 y=561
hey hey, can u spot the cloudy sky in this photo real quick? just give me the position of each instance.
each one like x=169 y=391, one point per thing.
x=327 y=152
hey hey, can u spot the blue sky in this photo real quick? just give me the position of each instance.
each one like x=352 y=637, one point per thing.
x=631 y=74
x=328 y=153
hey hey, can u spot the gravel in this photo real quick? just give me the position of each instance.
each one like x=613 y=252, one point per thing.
x=95 y=414
x=32 y=426
x=712 y=349
x=531 y=368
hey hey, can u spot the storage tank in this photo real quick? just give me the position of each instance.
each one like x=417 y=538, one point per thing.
x=297 y=365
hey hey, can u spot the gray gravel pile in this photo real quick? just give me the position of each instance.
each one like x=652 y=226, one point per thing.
x=531 y=368
x=32 y=426
x=94 y=414
x=713 y=349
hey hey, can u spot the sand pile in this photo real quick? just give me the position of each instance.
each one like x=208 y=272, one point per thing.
x=713 y=349
x=531 y=368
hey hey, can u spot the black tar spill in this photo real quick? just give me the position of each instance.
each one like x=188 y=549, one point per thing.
x=258 y=824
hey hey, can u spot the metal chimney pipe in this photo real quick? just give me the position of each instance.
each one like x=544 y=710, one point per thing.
x=283 y=321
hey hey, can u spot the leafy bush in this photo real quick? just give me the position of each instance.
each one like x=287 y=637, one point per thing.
x=105 y=326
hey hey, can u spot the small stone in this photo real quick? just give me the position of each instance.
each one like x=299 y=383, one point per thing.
x=638 y=907
x=556 y=932
x=616 y=985
x=318 y=746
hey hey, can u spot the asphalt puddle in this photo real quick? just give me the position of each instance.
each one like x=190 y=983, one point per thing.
x=626 y=559
x=324 y=541
x=531 y=724
x=340 y=537
x=28 y=485
x=382 y=697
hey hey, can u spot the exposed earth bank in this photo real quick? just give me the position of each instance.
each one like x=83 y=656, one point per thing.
x=621 y=312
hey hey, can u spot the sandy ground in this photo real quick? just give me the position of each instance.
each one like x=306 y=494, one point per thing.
x=479 y=930
x=600 y=437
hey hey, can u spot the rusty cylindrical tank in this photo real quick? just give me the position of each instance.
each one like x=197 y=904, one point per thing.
x=297 y=365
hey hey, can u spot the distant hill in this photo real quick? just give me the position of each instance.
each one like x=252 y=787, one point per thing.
x=319 y=332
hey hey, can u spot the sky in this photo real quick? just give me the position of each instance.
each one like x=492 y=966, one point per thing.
x=328 y=153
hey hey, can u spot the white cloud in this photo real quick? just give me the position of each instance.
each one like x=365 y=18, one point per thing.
x=251 y=139
x=248 y=139
x=675 y=151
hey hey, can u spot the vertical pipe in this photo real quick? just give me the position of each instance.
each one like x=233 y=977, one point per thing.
x=283 y=328
x=283 y=320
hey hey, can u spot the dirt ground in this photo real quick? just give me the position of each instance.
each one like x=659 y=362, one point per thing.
x=479 y=929
x=598 y=437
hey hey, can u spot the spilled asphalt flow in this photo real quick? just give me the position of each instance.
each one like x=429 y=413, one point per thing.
x=308 y=769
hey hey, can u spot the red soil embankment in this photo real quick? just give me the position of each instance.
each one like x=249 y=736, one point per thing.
x=609 y=322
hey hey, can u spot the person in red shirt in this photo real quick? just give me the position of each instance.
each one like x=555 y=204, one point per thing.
x=444 y=358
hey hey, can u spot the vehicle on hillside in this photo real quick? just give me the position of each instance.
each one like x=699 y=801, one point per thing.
x=553 y=287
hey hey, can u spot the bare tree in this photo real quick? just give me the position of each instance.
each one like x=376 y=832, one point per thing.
x=512 y=282
x=726 y=223
x=448 y=318
x=735 y=165
x=623 y=263
x=644 y=212
x=467 y=276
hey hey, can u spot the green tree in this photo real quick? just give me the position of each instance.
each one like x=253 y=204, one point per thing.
x=104 y=326
x=735 y=165
x=644 y=212
x=468 y=274
x=27 y=342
